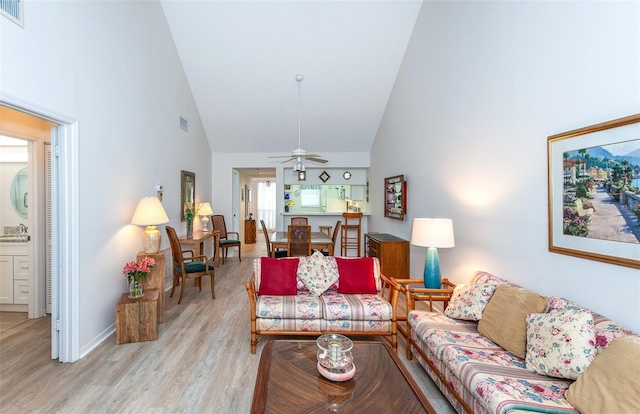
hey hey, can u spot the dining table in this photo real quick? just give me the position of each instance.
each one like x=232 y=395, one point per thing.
x=319 y=241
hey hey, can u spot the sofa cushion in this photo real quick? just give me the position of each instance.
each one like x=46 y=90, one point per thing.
x=560 y=344
x=504 y=318
x=291 y=325
x=356 y=275
x=317 y=273
x=300 y=306
x=611 y=383
x=278 y=276
x=468 y=301
x=364 y=307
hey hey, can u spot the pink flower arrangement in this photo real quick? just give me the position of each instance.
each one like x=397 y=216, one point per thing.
x=139 y=270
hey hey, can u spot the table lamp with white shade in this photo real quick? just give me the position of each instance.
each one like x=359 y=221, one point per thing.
x=150 y=213
x=204 y=211
x=432 y=233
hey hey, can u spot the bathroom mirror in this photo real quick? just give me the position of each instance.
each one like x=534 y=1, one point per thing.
x=19 y=188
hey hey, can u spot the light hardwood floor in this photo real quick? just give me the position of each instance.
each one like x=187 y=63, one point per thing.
x=201 y=362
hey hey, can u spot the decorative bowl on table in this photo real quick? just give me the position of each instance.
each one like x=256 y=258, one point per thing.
x=335 y=361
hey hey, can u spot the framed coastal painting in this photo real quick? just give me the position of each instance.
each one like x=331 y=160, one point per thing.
x=594 y=192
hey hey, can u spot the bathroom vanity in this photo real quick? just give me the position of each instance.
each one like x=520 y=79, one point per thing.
x=14 y=276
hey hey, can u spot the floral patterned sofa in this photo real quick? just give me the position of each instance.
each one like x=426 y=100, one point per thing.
x=553 y=356
x=319 y=294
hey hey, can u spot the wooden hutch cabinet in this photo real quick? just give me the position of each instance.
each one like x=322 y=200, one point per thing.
x=392 y=251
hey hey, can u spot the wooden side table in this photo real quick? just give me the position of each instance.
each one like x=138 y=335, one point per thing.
x=413 y=294
x=137 y=319
x=155 y=281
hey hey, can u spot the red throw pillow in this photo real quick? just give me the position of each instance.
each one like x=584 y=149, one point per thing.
x=356 y=275
x=278 y=276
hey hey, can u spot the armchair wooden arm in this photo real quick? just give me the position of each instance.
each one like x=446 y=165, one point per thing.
x=251 y=291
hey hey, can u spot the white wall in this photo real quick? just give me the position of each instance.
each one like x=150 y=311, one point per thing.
x=115 y=71
x=482 y=86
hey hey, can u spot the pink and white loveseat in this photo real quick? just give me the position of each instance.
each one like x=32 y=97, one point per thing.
x=319 y=294
x=545 y=354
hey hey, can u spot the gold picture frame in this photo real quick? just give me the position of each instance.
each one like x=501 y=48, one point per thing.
x=187 y=191
x=591 y=191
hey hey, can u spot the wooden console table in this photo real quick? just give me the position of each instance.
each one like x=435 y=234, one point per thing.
x=198 y=239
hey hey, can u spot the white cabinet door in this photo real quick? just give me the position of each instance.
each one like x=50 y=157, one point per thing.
x=21 y=280
x=6 y=279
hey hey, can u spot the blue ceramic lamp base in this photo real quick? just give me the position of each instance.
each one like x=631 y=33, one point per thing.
x=432 y=278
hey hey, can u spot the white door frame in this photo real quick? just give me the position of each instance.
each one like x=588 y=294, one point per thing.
x=65 y=339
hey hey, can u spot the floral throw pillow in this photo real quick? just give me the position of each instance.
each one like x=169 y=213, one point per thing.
x=468 y=301
x=560 y=344
x=317 y=273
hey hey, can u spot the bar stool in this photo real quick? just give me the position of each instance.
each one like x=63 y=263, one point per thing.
x=350 y=231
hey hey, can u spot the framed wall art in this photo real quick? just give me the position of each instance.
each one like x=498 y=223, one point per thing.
x=187 y=191
x=594 y=192
x=395 y=197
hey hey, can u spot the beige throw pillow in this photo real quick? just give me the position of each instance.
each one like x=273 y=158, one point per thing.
x=504 y=320
x=611 y=383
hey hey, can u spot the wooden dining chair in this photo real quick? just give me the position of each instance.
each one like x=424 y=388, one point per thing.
x=277 y=253
x=299 y=220
x=186 y=265
x=299 y=240
x=225 y=241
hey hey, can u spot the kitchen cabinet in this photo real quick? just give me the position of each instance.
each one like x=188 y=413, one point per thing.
x=392 y=251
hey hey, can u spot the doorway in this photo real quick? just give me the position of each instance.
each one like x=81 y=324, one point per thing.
x=23 y=120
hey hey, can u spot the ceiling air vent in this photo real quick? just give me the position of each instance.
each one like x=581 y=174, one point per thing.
x=13 y=10
x=184 y=124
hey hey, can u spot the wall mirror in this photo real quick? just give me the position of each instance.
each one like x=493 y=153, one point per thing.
x=19 y=194
x=395 y=197
x=187 y=191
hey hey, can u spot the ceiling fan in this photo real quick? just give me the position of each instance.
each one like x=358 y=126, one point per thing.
x=300 y=154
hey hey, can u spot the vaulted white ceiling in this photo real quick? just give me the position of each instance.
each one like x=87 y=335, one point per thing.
x=241 y=59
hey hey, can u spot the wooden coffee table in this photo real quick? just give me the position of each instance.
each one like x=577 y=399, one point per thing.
x=288 y=381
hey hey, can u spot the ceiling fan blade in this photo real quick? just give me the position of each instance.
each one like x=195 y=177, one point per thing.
x=314 y=159
x=280 y=156
x=286 y=161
